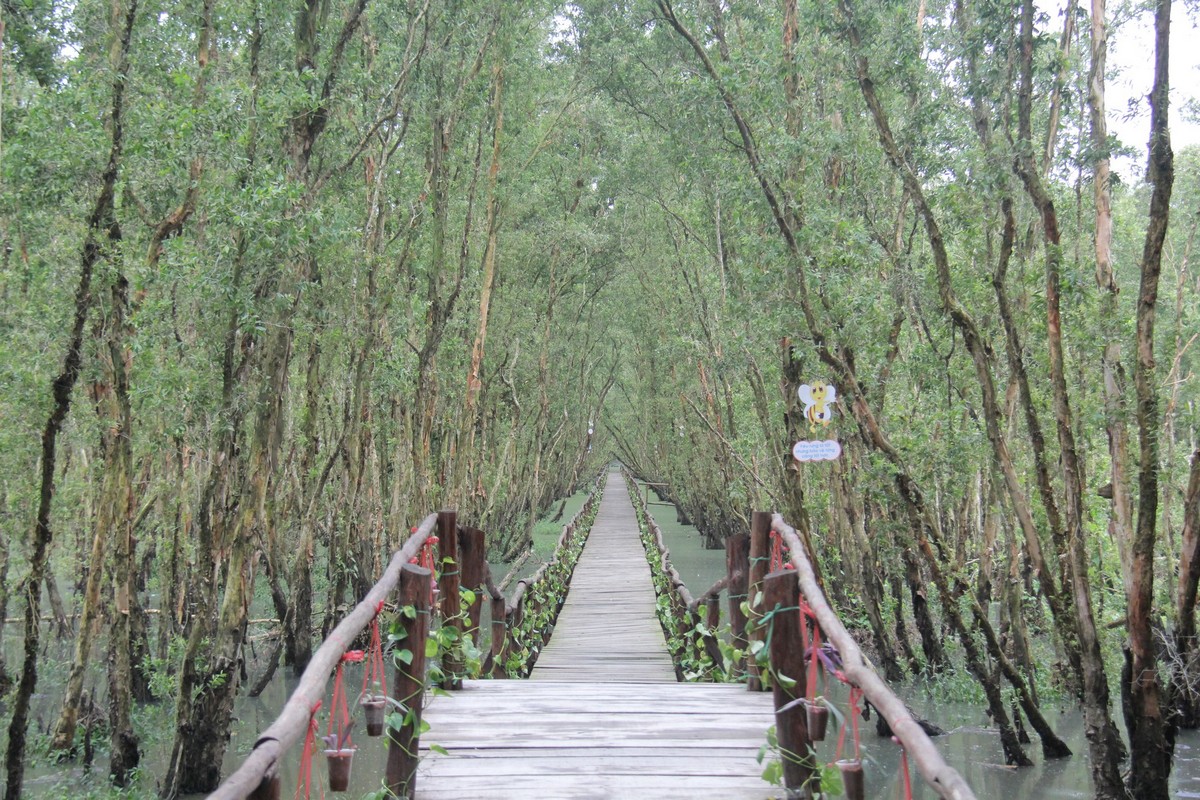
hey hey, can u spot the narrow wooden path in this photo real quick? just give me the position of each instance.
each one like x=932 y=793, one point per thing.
x=607 y=629
x=602 y=715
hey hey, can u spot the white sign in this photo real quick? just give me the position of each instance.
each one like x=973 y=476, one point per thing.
x=824 y=450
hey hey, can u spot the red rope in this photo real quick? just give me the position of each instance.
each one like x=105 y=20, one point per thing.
x=806 y=613
x=426 y=559
x=337 y=706
x=904 y=770
x=429 y=563
x=853 y=713
x=375 y=671
x=306 y=755
x=779 y=553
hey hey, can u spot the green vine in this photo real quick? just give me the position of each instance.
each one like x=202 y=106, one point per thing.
x=685 y=643
x=544 y=597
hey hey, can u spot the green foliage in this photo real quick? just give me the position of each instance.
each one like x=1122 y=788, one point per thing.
x=686 y=646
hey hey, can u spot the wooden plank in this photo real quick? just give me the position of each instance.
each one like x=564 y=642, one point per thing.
x=602 y=715
x=607 y=628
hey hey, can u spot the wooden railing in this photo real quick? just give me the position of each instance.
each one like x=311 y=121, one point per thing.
x=461 y=552
x=258 y=776
x=747 y=560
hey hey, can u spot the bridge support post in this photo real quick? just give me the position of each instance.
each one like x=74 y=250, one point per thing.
x=499 y=637
x=449 y=581
x=712 y=612
x=760 y=557
x=472 y=550
x=737 y=566
x=403 y=750
x=781 y=594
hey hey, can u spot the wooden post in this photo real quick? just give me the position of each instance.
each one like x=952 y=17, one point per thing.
x=472 y=551
x=737 y=563
x=271 y=787
x=499 y=638
x=404 y=744
x=760 y=559
x=781 y=590
x=712 y=612
x=449 y=565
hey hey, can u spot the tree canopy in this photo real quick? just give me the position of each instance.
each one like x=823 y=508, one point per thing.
x=278 y=279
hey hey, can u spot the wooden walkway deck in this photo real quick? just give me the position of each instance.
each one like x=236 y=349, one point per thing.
x=602 y=715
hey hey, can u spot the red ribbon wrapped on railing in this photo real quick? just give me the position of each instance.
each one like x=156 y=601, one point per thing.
x=806 y=614
x=426 y=559
x=779 y=559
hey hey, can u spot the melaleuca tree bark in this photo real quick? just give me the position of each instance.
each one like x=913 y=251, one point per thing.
x=117 y=508
x=1151 y=738
x=102 y=235
x=5 y=516
x=211 y=671
x=1104 y=741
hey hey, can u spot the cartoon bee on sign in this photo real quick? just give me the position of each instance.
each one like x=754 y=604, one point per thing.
x=818 y=400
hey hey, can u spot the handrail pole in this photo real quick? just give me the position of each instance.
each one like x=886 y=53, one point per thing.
x=449 y=581
x=472 y=550
x=499 y=638
x=737 y=558
x=781 y=594
x=712 y=612
x=271 y=787
x=403 y=751
x=760 y=558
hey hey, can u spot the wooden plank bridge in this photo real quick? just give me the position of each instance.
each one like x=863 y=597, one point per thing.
x=602 y=715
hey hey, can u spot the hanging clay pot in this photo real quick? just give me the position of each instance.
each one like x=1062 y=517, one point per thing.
x=818 y=720
x=338 y=762
x=374 y=706
x=852 y=778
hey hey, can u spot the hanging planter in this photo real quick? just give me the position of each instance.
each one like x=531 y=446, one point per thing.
x=374 y=699
x=818 y=720
x=339 y=762
x=374 y=707
x=339 y=750
x=852 y=778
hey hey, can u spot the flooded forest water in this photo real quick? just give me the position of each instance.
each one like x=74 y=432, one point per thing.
x=971 y=746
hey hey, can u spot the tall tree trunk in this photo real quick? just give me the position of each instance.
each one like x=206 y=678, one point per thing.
x=102 y=232
x=1151 y=738
x=117 y=513
x=1104 y=741
x=465 y=468
x=5 y=517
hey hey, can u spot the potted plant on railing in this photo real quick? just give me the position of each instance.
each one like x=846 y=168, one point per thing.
x=339 y=756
